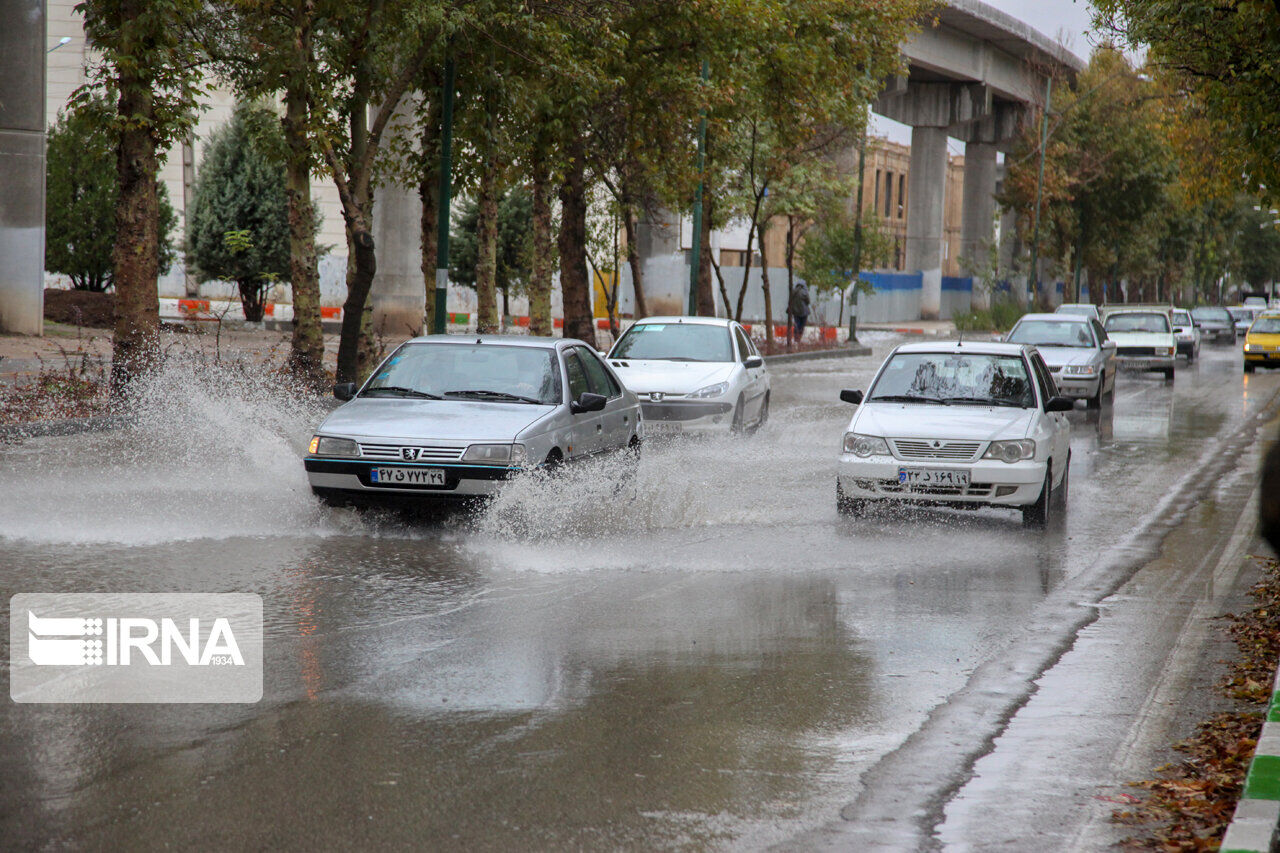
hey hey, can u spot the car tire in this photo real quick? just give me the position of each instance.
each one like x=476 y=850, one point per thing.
x=852 y=507
x=1095 y=402
x=1038 y=513
x=1062 y=493
x=1168 y=375
x=1248 y=368
x=554 y=463
x=735 y=427
x=763 y=417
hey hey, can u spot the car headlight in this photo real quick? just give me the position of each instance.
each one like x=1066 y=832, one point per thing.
x=1011 y=451
x=1079 y=370
x=710 y=391
x=323 y=445
x=1248 y=348
x=865 y=445
x=499 y=454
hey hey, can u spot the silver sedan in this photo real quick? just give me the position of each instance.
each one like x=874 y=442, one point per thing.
x=1076 y=350
x=450 y=416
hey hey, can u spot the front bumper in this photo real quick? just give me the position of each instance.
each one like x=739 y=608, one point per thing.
x=991 y=482
x=1147 y=362
x=1075 y=386
x=679 y=417
x=353 y=477
x=1265 y=359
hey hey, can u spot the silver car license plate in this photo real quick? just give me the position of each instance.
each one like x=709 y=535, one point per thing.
x=407 y=476
x=933 y=477
x=663 y=427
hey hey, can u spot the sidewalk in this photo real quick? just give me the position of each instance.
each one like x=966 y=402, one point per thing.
x=926 y=328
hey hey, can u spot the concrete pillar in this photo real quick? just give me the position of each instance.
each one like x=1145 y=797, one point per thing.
x=978 y=214
x=22 y=55
x=399 y=292
x=926 y=192
x=666 y=275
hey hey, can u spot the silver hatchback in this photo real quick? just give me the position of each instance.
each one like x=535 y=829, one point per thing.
x=448 y=416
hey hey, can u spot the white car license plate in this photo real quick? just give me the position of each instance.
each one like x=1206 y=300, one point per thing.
x=407 y=476
x=663 y=427
x=933 y=477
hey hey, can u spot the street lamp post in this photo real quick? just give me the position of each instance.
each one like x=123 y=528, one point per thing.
x=695 y=256
x=1035 y=230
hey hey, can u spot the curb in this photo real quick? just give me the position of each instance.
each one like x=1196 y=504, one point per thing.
x=68 y=426
x=842 y=352
x=1255 y=827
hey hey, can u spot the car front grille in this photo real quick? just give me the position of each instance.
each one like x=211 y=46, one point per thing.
x=683 y=411
x=913 y=448
x=1136 y=351
x=426 y=453
x=893 y=487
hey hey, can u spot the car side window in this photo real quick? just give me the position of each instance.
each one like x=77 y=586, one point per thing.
x=578 y=384
x=1043 y=378
x=744 y=349
x=597 y=376
x=1100 y=332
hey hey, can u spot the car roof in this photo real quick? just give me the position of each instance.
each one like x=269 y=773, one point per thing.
x=505 y=340
x=1057 y=318
x=1078 y=305
x=701 y=321
x=1140 y=309
x=974 y=347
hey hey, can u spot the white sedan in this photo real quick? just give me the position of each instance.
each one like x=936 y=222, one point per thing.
x=693 y=374
x=958 y=424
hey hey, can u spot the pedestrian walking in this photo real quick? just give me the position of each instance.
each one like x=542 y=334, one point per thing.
x=798 y=307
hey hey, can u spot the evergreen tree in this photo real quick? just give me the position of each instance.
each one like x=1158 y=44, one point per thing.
x=239 y=222
x=515 y=244
x=82 y=188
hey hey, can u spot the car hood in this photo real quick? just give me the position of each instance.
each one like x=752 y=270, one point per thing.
x=447 y=420
x=1265 y=339
x=670 y=377
x=1216 y=324
x=918 y=420
x=1057 y=357
x=1141 y=339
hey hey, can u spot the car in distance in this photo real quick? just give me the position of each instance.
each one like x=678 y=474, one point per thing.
x=1082 y=309
x=1080 y=357
x=1262 y=343
x=958 y=424
x=693 y=375
x=1243 y=316
x=1256 y=302
x=451 y=416
x=1144 y=339
x=1215 y=323
x=1186 y=333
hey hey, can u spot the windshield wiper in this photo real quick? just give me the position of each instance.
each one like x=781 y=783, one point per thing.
x=987 y=401
x=398 y=391
x=493 y=395
x=908 y=398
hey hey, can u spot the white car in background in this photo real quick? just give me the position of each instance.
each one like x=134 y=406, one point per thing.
x=958 y=424
x=1080 y=309
x=1144 y=339
x=1077 y=351
x=1186 y=333
x=693 y=375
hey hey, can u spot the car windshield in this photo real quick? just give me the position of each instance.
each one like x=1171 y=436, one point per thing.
x=1137 y=322
x=1207 y=313
x=1266 y=326
x=675 y=342
x=944 y=378
x=1181 y=318
x=1238 y=314
x=483 y=372
x=1052 y=333
x=1081 y=310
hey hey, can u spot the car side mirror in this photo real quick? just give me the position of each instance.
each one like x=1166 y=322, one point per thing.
x=753 y=361
x=847 y=396
x=1108 y=344
x=344 y=390
x=1059 y=404
x=588 y=402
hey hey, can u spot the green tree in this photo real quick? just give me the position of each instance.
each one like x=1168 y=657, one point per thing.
x=827 y=253
x=241 y=190
x=82 y=189
x=514 y=255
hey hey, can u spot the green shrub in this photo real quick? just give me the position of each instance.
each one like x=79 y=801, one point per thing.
x=1000 y=317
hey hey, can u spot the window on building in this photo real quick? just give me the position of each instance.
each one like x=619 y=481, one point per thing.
x=875 y=205
x=902 y=196
x=888 y=193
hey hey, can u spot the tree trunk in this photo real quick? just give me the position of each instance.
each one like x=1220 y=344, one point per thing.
x=487 y=248
x=540 y=273
x=429 y=192
x=136 y=256
x=706 y=296
x=251 y=299
x=362 y=265
x=633 y=261
x=724 y=291
x=306 y=353
x=764 y=284
x=574 y=285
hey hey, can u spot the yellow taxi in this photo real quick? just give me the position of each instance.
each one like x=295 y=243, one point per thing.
x=1262 y=342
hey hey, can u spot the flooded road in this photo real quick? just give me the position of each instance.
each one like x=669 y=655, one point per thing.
x=717 y=660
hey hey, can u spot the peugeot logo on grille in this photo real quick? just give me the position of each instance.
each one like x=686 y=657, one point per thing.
x=936 y=444
x=656 y=396
x=409 y=453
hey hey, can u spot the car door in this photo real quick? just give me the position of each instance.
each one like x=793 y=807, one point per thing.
x=1058 y=426
x=587 y=427
x=1108 y=356
x=617 y=422
x=753 y=392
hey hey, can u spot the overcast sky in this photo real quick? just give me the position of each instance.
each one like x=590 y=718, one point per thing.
x=1068 y=21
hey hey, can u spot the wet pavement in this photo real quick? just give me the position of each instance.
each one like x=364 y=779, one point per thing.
x=717 y=660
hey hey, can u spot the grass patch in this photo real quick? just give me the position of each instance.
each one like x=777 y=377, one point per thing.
x=1000 y=317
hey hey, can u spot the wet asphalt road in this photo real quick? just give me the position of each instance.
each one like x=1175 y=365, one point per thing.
x=717 y=660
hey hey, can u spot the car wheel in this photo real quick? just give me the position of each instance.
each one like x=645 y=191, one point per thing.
x=1248 y=368
x=1061 y=493
x=1037 y=514
x=1095 y=402
x=736 y=426
x=554 y=462
x=852 y=507
x=1168 y=375
x=629 y=464
x=764 y=416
